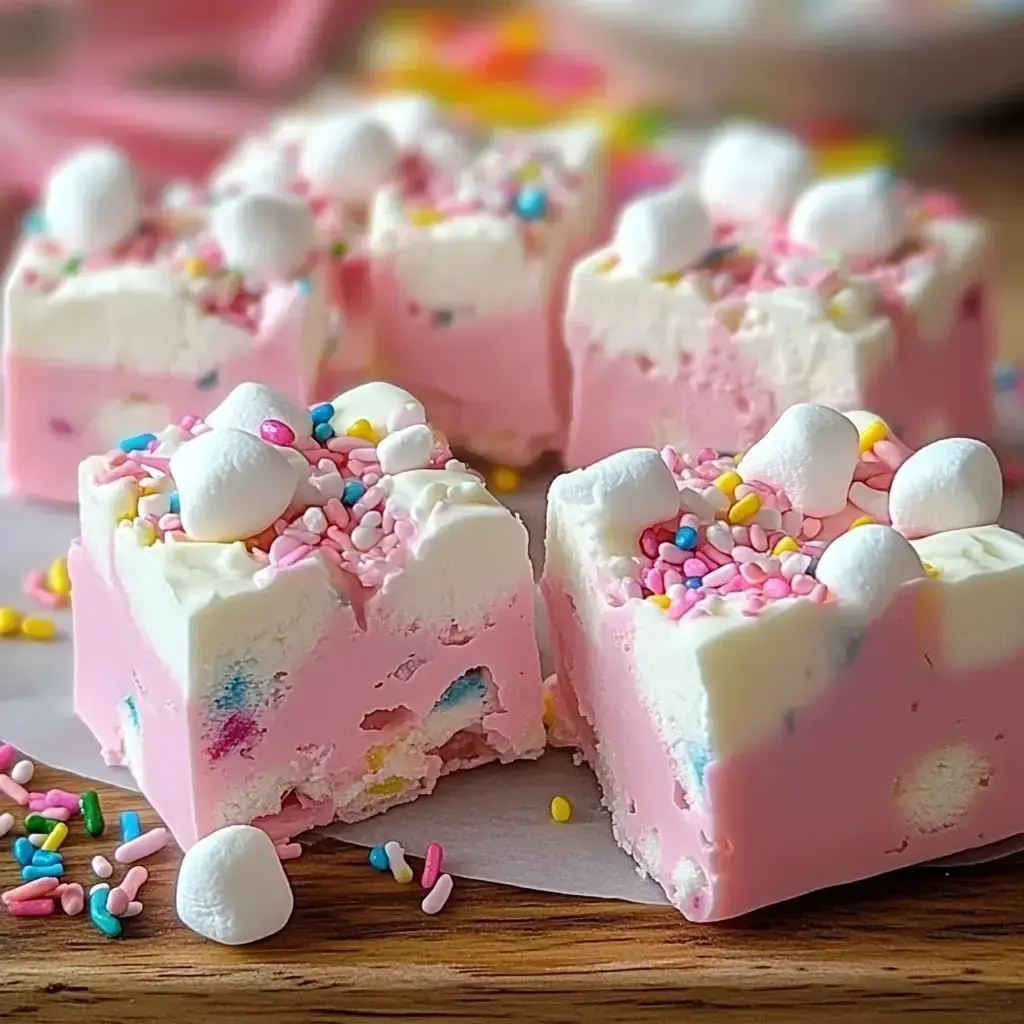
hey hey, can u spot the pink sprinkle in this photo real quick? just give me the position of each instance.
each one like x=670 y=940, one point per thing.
x=695 y=567
x=62 y=798
x=30 y=908
x=671 y=554
x=649 y=543
x=144 y=846
x=18 y=793
x=819 y=595
x=117 y=902
x=741 y=535
x=7 y=756
x=802 y=584
x=775 y=587
x=276 y=432
x=758 y=539
x=654 y=581
x=753 y=573
x=889 y=452
x=72 y=900
x=31 y=890
x=811 y=528
x=288 y=851
x=722 y=575
x=55 y=813
x=135 y=878
x=752 y=607
x=431 y=865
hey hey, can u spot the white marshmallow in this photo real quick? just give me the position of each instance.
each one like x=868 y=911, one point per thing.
x=264 y=236
x=752 y=174
x=232 y=888
x=952 y=484
x=664 y=233
x=92 y=200
x=249 y=404
x=856 y=215
x=408 y=448
x=865 y=566
x=230 y=485
x=267 y=171
x=349 y=157
x=811 y=453
x=409 y=118
x=630 y=490
x=380 y=404
x=861 y=418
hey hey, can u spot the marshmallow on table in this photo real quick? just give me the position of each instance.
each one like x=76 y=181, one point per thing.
x=753 y=174
x=855 y=215
x=230 y=485
x=810 y=453
x=664 y=233
x=264 y=236
x=232 y=888
x=865 y=566
x=952 y=484
x=91 y=202
x=250 y=404
x=349 y=157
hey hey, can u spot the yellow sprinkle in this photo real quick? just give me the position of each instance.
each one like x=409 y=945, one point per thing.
x=661 y=600
x=424 y=217
x=745 y=509
x=10 y=621
x=738 y=458
x=786 y=544
x=931 y=571
x=389 y=787
x=403 y=876
x=861 y=521
x=834 y=310
x=505 y=479
x=549 y=710
x=669 y=279
x=529 y=172
x=363 y=429
x=728 y=482
x=606 y=265
x=57 y=579
x=874 y=432
x=38 y=628
x=195 y=267
x=145 y=533
x=56 y=837
x=561 y=809
x=375 y=758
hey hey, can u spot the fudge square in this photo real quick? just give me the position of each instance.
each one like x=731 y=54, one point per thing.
x=118 y=315
x=732 y=637
x=468 y=280
x=748 y=287
x=291 y=617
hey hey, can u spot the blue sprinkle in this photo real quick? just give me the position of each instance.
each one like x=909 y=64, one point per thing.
x=531 y=203
x=693 y=582
x=354 y=490
x=131 y=828
x=686 y=538
x=470 y=686
x=1005 y=377
x=700 y=758
x=133 y=711
x=209 y=380
x=789 y=720
x=33 y=223
x=138 y=443
x=321 y=413
x=23 y=851
x=175 y=503
x=379 y=859
x=323 y=432
x=234 y=691
x=304 y=285
x=31 y=872
x=101 y=918
x=46 y=858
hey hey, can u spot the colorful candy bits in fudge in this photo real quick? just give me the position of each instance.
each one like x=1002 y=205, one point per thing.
x=290 y=616
x=794 y=669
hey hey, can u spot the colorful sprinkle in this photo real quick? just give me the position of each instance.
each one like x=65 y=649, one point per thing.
x=10 y=621
x=400 y=869
x=104 y=922
x=130 y=826
x=874 y=432
x=561 y=809
x=435 y=900
x=745 y=509
x=37 y=823
x=56 y=837
x=321 y=413
x=22 y=772
x=432 y=860
x=6 y=823
x=136 y=443
x=505 y=479
x=531 y=203
x=30 y=908
x=92 y=814
x=144 y=846
x=379 y=859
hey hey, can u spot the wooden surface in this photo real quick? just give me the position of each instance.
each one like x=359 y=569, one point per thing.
x=923 y=945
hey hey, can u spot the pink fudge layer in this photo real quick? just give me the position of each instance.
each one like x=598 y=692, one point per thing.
x=49 y=407
x=305 y=724
x=719 y=402
x=817 y=806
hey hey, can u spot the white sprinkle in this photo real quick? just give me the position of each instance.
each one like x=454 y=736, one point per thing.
x=6 y=823
x=434 y=901
x=98 y=886
x=37 y=838
x=101 y=867
x=22 y=772
x=134 y=909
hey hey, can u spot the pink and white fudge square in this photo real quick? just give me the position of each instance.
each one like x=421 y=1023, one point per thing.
x=748 y=287
x=117 y=315
x=468 y=277
x=793 y=670
x=291 y=617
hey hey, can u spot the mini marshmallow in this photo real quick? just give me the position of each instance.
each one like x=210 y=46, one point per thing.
x=408 y=448
x=267 y=171
x=664 y=233
x=952 y=484
x=268 y=237
x=866 y=565
x=810 y=453
x=92 y=201
x=752 y=174
x=249 y=404
x=349 y=157
x=855 y=215
x=232 y=888
x=630 y=490
x=379 y=404
x=409 y=118
x=230 y=485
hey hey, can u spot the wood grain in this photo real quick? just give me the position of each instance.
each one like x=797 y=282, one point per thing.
x=925 y=945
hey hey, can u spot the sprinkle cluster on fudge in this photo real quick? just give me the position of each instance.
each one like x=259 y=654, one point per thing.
x=287 y=482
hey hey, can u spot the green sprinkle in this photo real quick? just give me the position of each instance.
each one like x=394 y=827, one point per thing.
x=338 y=249
x=92 y=816
x=37 y=823
x=73 y=265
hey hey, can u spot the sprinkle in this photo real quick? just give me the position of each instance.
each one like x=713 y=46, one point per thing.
x=136 y=443
x=10 y=621
x=379 y=859
x=6 y=823
x=38 y=628
x=22 y=772
x=135 y=878
x=23 y=851
x=105 y=923
x=561 y=809
x=130 y=826
x=745 y=509
x=56 y=837
x=55 y=814
x=531 y=203
x=423 y=216
x=321 y=413
x=874 y=432
x=62 y=798
x=661 y=600
x=323 y=432
x=362 y=429
x=133 y=909
x=7 y=754
x=288 y=851
x=46 y=859
x=30 y=908
x=435 y=900
x=784 y=545
x=431 y=865
x=14 y=790
x=505 y=479
x=101 y=867
x=861 y=521
x=278 y=433
x=144 y=846
x=117 y=902
x=72 y=899
x=353 y=491
x=30 y=890
x=686 y=538
x=728 y=481
x=930 y=570
x=37 y=838
x=400 y=870
x=37 y=823
x=92 y=814
x=33 y=871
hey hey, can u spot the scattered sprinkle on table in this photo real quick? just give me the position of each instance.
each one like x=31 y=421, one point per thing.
x=400 y=869
x=435 y=900
x=561 y=809
x=432 y=865
x=379 y=859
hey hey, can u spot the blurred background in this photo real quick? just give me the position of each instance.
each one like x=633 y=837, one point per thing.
x=931 y=87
